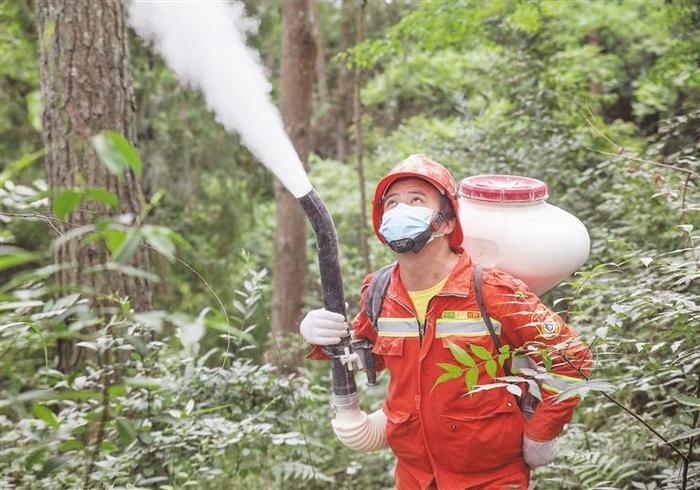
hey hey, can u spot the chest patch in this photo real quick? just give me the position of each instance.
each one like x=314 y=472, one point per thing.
x=461 y=315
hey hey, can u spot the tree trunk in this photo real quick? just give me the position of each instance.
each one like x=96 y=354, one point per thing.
x=296 y=90
x=86 y=88
x=359 y=143
x=344 y=97
x=321 y=78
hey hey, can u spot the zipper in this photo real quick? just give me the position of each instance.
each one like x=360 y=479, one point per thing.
x=421 y=329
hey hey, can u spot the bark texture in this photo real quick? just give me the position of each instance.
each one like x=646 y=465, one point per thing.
x=321 y=78
x=344 y=93
x=289 y=279
x=359 y=143
x=86 y=88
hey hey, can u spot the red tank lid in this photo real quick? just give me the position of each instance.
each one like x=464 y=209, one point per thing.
x=503 y=188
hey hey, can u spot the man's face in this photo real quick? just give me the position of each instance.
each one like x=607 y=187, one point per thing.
x=416 y=192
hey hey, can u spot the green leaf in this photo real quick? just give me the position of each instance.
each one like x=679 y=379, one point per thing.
x=450 y=368
x=471 y=378
x=79 y=395
x=515 y=389
x=7 y=261
x=547 y=360
x=114 y=239
x=70 y=445
x=138 y=344
x=126 y=431
x=452 y=372
x=101 y=194
x=502 y=358
x=107 y=446
x=152 y=319
x=115 y=391
x=116 y=153
x=178 y=239
x=35 y=457
x=504 y=349
x=491 y=368
x=158 y=238
x=43 y=413
x=685 y=435
x=26 y=396
x=125 y=269
x=229 y=330
x=14 y=168
x=461 y=355
x=691 y=401
x=146 y=438
x=66 y=202
x=127 y=248
x=480 y=352
x=51 y=465
x=534 y=389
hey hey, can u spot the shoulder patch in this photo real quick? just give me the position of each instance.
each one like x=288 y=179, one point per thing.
x=548 y=323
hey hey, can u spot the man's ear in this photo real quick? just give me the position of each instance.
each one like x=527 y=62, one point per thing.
x=448 y=226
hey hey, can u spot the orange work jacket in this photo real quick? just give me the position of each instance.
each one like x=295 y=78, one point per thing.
x=441 y=435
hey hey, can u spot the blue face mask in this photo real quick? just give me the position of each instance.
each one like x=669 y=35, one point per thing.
x=408 y=228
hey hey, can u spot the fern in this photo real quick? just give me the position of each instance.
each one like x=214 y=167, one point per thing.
x=298 y=471
x=601 y=471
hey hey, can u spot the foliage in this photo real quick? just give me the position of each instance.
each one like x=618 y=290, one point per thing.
x=598 y=99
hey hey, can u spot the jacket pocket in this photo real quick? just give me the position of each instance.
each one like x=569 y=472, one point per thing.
x=405 y=437
x=474 y=443
x=392 y=350
x=388 y=346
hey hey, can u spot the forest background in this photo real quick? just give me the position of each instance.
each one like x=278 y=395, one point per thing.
x=144 y=324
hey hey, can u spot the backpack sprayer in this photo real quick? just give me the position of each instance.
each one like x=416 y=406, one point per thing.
x=501 y=211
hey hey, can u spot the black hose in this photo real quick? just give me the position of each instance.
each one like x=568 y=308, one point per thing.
x=331 y=284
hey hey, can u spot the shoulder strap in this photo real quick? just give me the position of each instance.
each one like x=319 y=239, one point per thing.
x=379 y=285
x=376 y=293
x=482 y=307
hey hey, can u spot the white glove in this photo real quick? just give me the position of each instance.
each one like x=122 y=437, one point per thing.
x=323 y=327
x=539 y=453
x=358 y=431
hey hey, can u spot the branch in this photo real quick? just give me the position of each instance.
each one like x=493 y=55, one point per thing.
x=635 y=415
x=696 y=419
x=620 y=150
x=650 y=162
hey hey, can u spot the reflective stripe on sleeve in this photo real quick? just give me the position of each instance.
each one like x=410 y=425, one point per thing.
x=522 y=362
x=464 y=328
x=397 y=327
x=558 y=382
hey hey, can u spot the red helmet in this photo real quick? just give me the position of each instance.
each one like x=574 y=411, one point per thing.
x=420 y=167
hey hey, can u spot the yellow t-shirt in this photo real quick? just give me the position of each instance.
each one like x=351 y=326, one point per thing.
x=421 y=298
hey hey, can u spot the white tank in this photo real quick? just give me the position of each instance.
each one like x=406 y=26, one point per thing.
x=508 y=225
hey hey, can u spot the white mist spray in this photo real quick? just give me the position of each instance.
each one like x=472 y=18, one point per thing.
x=204 y=42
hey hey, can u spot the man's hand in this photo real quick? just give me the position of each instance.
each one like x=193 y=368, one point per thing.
x=539 y=453
x=323 y=327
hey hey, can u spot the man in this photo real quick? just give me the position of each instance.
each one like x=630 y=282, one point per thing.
x=442 y=436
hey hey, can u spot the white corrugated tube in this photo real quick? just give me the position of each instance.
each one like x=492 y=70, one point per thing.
x=359 y=431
